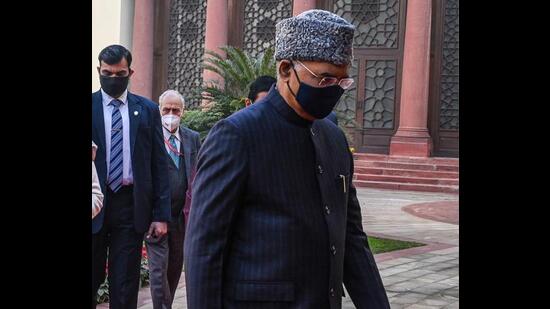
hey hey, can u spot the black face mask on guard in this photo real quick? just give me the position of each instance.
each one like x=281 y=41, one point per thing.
x=114 y=86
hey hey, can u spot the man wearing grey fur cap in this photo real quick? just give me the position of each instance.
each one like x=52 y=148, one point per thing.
x=275 y=221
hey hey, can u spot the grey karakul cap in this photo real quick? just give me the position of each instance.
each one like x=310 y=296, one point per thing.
x=315 y=35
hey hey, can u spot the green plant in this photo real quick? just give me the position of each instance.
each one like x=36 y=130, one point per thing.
x=381 y=245
x=201 y=121
x=347 y=124
x=238 y=69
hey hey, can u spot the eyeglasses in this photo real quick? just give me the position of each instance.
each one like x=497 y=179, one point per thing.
x=345 y=83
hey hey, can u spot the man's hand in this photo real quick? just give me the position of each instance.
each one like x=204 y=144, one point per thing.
x=157 y=229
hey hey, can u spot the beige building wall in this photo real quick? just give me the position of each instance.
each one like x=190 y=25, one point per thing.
x=112 y=23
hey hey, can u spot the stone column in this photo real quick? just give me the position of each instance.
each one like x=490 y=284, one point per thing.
x=216 y=33
x=303 y=5
x=412 y=137
x=142 y=51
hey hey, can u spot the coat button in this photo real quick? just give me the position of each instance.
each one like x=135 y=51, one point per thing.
x=327 y=210
x=312 y=132
x=332 y=292
x=320 y=168
x=333 y=249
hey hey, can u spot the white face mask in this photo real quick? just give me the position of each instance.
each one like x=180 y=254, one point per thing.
x=170 y=122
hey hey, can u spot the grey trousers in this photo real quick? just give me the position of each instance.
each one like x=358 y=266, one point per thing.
x=165 y=261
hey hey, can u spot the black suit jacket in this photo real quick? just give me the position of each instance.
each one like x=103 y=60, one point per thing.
x=275 y=221
x=190 y=147
x=149 y=161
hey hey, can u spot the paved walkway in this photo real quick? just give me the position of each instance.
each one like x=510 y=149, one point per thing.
x=417 y=278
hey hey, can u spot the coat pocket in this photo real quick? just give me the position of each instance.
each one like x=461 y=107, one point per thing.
x=263 y=291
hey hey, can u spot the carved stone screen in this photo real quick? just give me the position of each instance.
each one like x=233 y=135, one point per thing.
x=347 y=105
x=260 y=17
x=448 y=115
x=186 y=46
x=376 y=21
x=379 y=103
x=378 y=53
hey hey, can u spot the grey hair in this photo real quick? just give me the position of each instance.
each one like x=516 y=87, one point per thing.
x=168 y=93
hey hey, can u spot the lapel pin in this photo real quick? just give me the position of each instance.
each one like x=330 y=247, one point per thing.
x=136 y=113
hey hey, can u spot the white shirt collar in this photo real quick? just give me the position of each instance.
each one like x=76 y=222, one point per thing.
x=167 y=134
x=107 y=98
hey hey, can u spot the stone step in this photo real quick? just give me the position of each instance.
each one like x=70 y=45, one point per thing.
x=402 y=159
x=405 y=172
x=407 y=166
x=406 y=186
x=407 y=179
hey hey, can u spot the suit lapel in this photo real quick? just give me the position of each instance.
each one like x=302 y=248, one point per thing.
x=186 y=141
x=98 y=121
x=134 y=114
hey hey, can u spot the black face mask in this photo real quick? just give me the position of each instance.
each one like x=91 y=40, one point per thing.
x=114 y=86
x=318 y=102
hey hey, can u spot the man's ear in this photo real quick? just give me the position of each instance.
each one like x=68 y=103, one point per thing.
x=131 y=72
x=247 y=102
x=284 y=70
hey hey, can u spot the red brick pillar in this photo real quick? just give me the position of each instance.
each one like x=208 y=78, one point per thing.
x=216 y=33
x=303 y=5
x=142 y=50
x=412 y=137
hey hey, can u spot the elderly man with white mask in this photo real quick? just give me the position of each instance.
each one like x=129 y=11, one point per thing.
x=166 y=253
